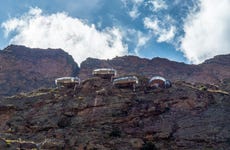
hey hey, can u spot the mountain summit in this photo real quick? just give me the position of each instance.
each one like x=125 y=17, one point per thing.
x=23 y=69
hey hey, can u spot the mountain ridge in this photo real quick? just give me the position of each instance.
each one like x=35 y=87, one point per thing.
x=204 y=72
x=24 y=69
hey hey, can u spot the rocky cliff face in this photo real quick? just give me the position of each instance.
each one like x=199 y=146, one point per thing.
x=23 y=69
x=211 y=71
x=217 y=68
x=100 y=116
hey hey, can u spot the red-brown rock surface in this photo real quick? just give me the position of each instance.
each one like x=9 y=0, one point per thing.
x=23 y=69
x=211 y=71
x=100 y=116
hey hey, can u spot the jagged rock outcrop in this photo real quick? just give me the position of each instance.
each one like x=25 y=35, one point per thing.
x=23 y=69
x=211 y=71
x=100 y=116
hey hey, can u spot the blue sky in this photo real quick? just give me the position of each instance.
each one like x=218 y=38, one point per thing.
x=187 y=31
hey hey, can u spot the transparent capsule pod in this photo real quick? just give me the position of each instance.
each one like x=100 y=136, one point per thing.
x=106 y=73
x=68 y=82
x=159 y=82
x=126 y=81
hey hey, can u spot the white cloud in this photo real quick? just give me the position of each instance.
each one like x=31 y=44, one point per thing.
x=207 y=32
x=164 y=33
x=136 y=39
x=59 y=30
x=157 y=5
x=134 y=6
x=142 y=39
x=134 y=11
x=167 y=35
